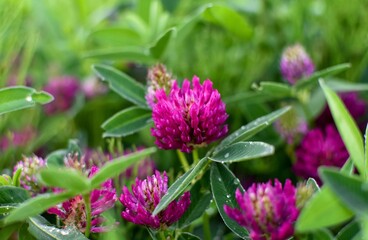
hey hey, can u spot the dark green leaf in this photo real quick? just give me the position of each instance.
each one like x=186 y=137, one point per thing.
x=135 y=54
x=118 y=165
x=24 y=234
x=322 y=234
x=311 y=80
x=179 y=186
x=348 y=129
x=249 y=130
x=349 y=231
x=37 y=205
x=224 y=185
x=12 y=195
x=188 y=236
x=65 y=178
x=122 y=84
x=16 y=98
x=126 y=122
x=158 y=49
x=242 y=151
x=350 y=189
x=324 y=209
x=43 y=230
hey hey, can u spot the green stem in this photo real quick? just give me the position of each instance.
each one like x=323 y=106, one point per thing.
x=162 y=235
x=195 y=156
x=183 y=160
x=206 y=227
x=87 y=202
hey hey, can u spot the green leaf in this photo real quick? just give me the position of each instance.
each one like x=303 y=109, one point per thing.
x=158 y=49
x=65 y=178
x=16 y=98
x=224 y=185
x=122 y=84
x=126 y=122
x=311 y=80
x=40 y=228
x=311 y=182
x=348 y=167
x=24 y=234
x=56 y=158
x=12 y=195
x=348 y=129
x=115 y=36
x=73 y=148
x=199 y=202
x=322 y=234
x=229 y=19
x=349 y=231
x=365 y=152
x=249 y=130
x=6 y=232
x=274 y=89
x=345 y=86
x=324 y=209
x=179 y=186
x=242 y=151
x=135 y=54
x=5 y=180
x=16 y=177
x=350 y=189
x=118 y=165
x=37 y=205
x=188 y=236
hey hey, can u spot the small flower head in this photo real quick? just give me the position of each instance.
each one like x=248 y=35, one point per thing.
x=64 y=89
x=92 y=87
x=267 y=211
x=304 y=193
x=319 y=147
x=189 y=117
x=17 y=138
x=28 y=179
x=295 y=64
x=73 y=212
x=145 y=196
x=158 y=78
x=290 y=126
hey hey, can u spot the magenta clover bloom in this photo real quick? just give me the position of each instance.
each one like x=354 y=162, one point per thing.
x=145 y=196
x=30 y=167
x=295 y=64
x=73 y=213
x=319 y=147
x=189 y=117
x=267 y=212
x=64 y=89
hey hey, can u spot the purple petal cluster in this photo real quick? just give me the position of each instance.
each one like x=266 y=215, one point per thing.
x=92 y=87
x=30 y=167
x=268 y=212
x=145 y=196
x=319 y=147
x=17 y=138
x=73 y=212
x=295 y=64
x=158 y=78
x=189 y=117
x=64 y=89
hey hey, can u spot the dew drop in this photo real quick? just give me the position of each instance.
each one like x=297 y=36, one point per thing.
x=29 y=98
x=220 y=180
x=227 y=155
x=236 y=181
x=228 y=196
x=243 y=127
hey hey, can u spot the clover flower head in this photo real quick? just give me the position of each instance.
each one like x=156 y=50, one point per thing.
x=290 y=126
x=145 y=196
x=295 y=63
x=189 y=117
x=267 y=211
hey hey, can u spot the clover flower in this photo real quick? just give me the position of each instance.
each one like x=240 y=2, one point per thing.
x=319 y=147
x=17 y=138
x=188 y=117
x=158 y=78
x=267 y=211
x=73 y=212
x=290 y=126
x=295 y=64
x=64 y=89
x=145 y=196
x=28 y=179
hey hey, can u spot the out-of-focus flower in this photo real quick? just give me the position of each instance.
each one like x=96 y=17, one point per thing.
x=304 y=193
x=13 y=81
x=30 y=167
x=92 y=87
x=268 y=212
x=356 y=106
x=17 y=138
x=157 y=78
x=73 y=212
x=295 y=64
x=145 y=196
x=64 y=89
x=189 y=117
x=290 y=126
x=319 y=147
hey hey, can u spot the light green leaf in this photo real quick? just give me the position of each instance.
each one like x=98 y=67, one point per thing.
x=158 y=49
x=56 y=158
x=242 y=151
x=135 y=54
x=118 y=165
x=348 y=129
x=224 y=185
x=122 y=84
x=65 y=178
x=16 y=177
x=179 y=186
x=12 y=195
x=116 y=37
x=345 y=86
x=274 y=89
x=126 y=122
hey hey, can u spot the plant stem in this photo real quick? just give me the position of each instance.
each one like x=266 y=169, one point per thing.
x=206 y=227
x=183 y=160
x=162 y=235
x=87 y=202
x=195 y=156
